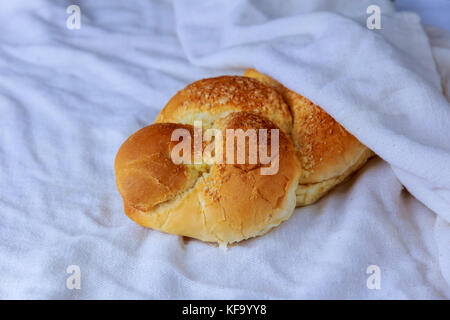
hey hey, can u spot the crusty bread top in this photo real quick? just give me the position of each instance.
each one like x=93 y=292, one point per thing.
x=212 y=98
x=325 y=149
x=145 y=172
x=220 y=202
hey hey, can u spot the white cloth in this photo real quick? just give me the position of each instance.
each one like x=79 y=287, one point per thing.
x=69 y=98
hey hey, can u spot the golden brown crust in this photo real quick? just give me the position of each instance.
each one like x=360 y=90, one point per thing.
x=145 y=173
x=325 y=149
x=225 y=203
x=212 y=98
x=311 y=192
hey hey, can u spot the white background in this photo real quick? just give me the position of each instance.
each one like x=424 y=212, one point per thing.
x=69 y=98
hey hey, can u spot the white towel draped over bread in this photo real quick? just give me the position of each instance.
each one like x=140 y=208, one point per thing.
x=69 y=98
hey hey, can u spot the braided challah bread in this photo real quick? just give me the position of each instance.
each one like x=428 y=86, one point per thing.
x=222 y=201
x=217 y=202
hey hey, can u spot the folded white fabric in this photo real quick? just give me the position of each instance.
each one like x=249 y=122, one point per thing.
x=440 y=46
x=69 y=98
x=381 y=85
